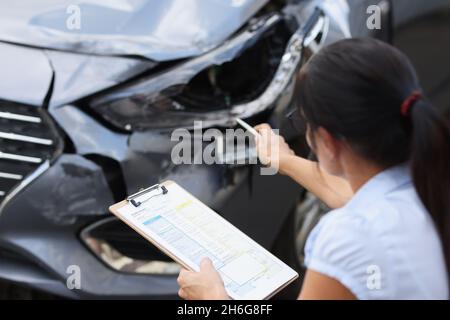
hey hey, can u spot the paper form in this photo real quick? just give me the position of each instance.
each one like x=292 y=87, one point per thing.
x=192 y=231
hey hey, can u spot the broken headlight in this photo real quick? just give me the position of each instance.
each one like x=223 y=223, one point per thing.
x=241 y=78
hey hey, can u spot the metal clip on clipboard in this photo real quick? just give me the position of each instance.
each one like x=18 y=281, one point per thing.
x=152 y=191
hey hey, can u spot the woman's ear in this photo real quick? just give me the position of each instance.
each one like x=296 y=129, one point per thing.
x=329 y=145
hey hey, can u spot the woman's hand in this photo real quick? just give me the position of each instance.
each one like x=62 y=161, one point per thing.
x=272 y=149
x=203 y=285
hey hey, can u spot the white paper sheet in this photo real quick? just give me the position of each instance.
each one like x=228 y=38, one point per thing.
x=190 y=231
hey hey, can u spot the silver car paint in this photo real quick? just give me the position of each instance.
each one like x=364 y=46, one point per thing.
x=158 y=30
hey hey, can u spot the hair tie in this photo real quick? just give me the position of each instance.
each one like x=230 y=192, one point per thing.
x=409 y=102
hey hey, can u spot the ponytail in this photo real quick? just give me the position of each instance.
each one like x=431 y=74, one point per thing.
x=373 y=101
x=430 y=166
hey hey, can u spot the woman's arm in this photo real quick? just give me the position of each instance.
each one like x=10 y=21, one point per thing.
x=332 y=190
x=203 y=285
x=272 y=148
x=208 y=285
x=317 y=286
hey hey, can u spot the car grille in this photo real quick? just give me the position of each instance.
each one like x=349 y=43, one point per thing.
x=28 y=140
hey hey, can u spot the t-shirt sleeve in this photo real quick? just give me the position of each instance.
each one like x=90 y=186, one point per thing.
x=342 y=248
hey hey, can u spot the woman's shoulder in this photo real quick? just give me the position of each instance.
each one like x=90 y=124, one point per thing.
x=345 y=218
x=340 y=227
x=379 y=225
x=343 y=247
x=338 y=232
x=389 y=237
x=378 y=216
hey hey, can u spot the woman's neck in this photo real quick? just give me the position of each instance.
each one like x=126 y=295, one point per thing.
x=358 y=172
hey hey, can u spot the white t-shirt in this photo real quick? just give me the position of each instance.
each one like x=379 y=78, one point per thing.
x=382 y=244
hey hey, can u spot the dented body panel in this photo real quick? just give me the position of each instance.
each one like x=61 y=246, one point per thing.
x=17 y=61
x=142 y=28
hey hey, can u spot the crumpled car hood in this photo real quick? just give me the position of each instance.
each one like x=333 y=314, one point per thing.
x=155 y=29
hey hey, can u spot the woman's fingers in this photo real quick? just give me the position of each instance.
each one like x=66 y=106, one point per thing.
x=206 y=264
x=186 y=279
x=272 y=148
x=263 y=143
x=262 y=127
x=182 y=294
x=184 y=276
x=204 y=284
x=180 y=278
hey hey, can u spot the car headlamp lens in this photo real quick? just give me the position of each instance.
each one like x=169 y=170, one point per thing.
x=242 y=78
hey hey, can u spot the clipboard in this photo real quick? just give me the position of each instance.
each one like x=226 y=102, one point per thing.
x=167 y=211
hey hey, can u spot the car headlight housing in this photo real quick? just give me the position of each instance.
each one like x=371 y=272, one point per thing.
x=241 y=78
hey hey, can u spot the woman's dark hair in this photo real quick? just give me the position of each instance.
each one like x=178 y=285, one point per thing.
x=355 y=89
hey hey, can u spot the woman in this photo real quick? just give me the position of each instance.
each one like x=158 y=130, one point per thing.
x=384 y=166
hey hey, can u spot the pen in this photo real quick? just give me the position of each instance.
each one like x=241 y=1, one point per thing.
x=246 y=126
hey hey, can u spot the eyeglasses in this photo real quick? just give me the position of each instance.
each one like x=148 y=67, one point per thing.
x=299 y=123
x=296 y=120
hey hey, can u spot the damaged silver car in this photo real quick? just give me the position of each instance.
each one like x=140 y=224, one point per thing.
x=86 y=112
